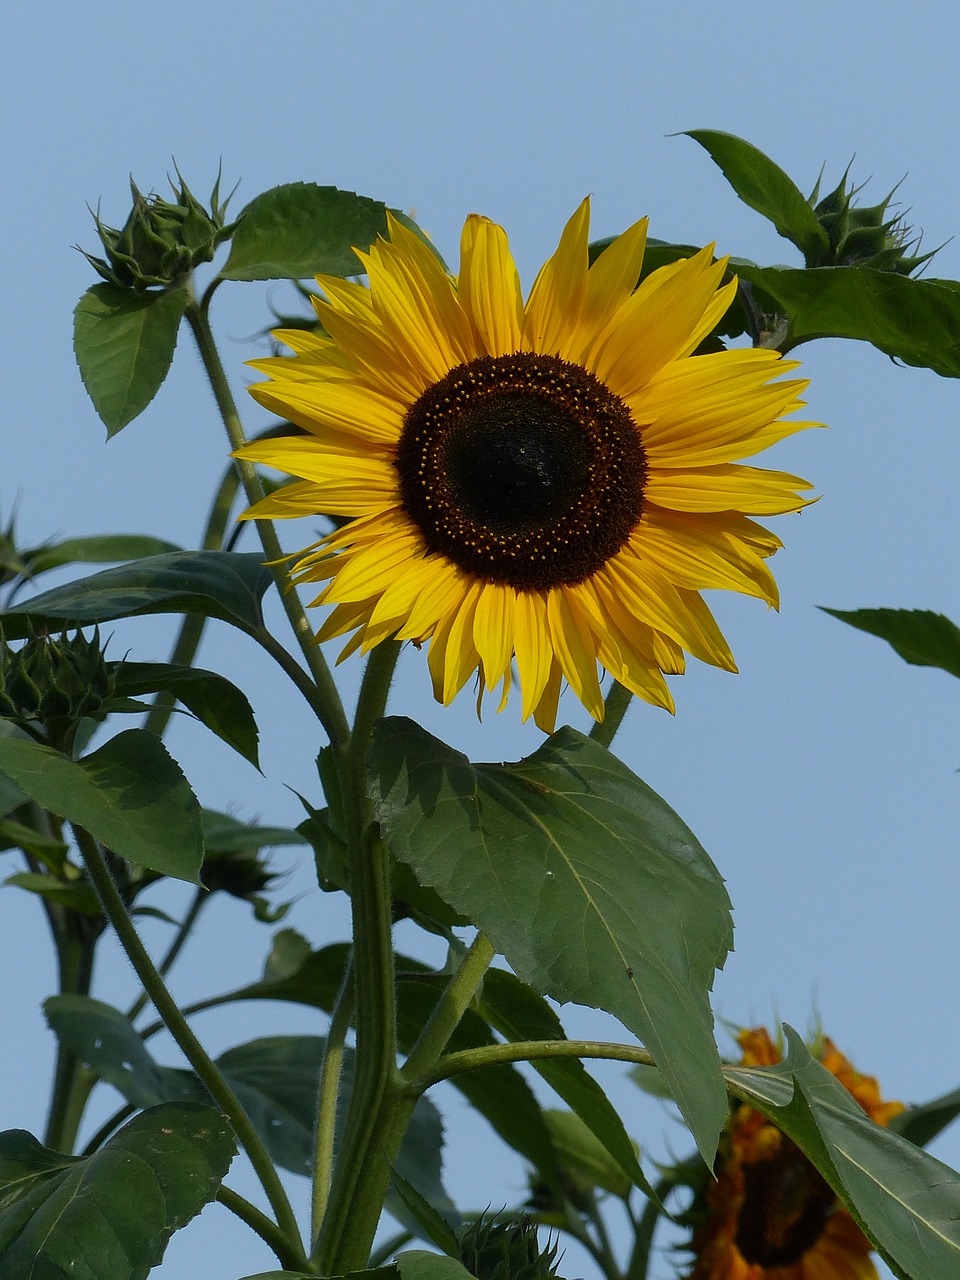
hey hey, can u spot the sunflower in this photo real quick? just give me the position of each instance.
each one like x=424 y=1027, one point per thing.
x=769 y=1215
x=550 y=482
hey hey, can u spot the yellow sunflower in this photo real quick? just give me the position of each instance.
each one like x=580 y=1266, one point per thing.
x=769 y=1215
x=551 y=482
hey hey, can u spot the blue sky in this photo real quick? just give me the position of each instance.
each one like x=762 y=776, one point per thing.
x=822 y=779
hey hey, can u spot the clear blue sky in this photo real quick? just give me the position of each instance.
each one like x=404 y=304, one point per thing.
x=822 y=779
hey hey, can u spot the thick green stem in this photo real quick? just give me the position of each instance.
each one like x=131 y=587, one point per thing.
x=449 y=1009
x=327 y=1099
x=333 y=718
x=492 y=1055
x=207 y=1070
x=615 y=708
x=380 y=1105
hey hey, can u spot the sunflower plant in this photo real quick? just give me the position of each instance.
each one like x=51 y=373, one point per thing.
x=533 y=490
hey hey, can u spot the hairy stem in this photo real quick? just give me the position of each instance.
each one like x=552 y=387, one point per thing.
x=328 y=1098
x=200 y=898
x=207 y=1070
x=493 y=1055
x=329 y=705
x=265 y=1228
x=450 y=1008
x=615 y=708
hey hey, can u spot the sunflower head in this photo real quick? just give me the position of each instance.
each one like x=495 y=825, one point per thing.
x=539 y=485
x=769 y=1213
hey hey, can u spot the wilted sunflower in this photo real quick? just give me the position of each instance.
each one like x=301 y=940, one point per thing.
x=769 y=1215
x=552 y=481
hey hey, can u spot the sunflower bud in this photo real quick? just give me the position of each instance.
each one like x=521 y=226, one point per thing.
x=242 y=873
x=865 y=235
x=506 y=1249
x=162 y=240
x=49 y=686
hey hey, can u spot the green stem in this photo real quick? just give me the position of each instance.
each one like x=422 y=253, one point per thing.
x=200 y=898
x=327 y=1099
x=450 y=1008
x=265 y=1228
x=207 y=1070
x=639 y=1263
x=191 y=628
x=71 y=1081
x=493 y=1055
x=615 y=708
x=380 y=1105
x=333 y=718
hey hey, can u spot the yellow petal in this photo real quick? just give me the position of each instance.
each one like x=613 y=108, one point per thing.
x=489 y=287
x=553 y=308
x=726 y=488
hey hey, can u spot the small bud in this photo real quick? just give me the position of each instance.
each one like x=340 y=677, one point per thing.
x=244 y=874
x=864 y=235
x=162 y=241
x=48 y=686
x=506 y=1249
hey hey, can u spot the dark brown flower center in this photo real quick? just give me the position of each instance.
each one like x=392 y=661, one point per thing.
x=523 y=469
x=786 y=1205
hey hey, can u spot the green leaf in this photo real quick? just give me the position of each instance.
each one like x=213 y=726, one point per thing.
x=916 y=321
x=907 y=1202
x=920 y=1124
x=106 y=548
x=109 y=1216
x=301 y=230
x=588 y=883
x=11 y=797
x=431 y=1225
x=418 y=1264
x=224 y=834
x=214 y=700
x=80 y=896
x=764 y=186
x=919 y=636
x=520 y=1014
x=585 y=1156
x=227 y=585
x=130 y=795
x=124 y=343
x=107 y=1041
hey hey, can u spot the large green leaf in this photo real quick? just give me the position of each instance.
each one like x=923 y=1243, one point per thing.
x=130 y=795
x=213 y=699
x=109 y=1216
x=275 y=1078
x=920 y=636
x=907 y=1202
x=764 y=186
x=124 y=342
x=105 y=548
x=589 y=884
x=302 y=229
x=917 y=321
x=11 y=797
x=518 y=1013
x=216 y=584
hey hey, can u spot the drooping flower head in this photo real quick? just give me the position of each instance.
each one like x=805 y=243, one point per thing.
x=550 y=482
x=770 y=1215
